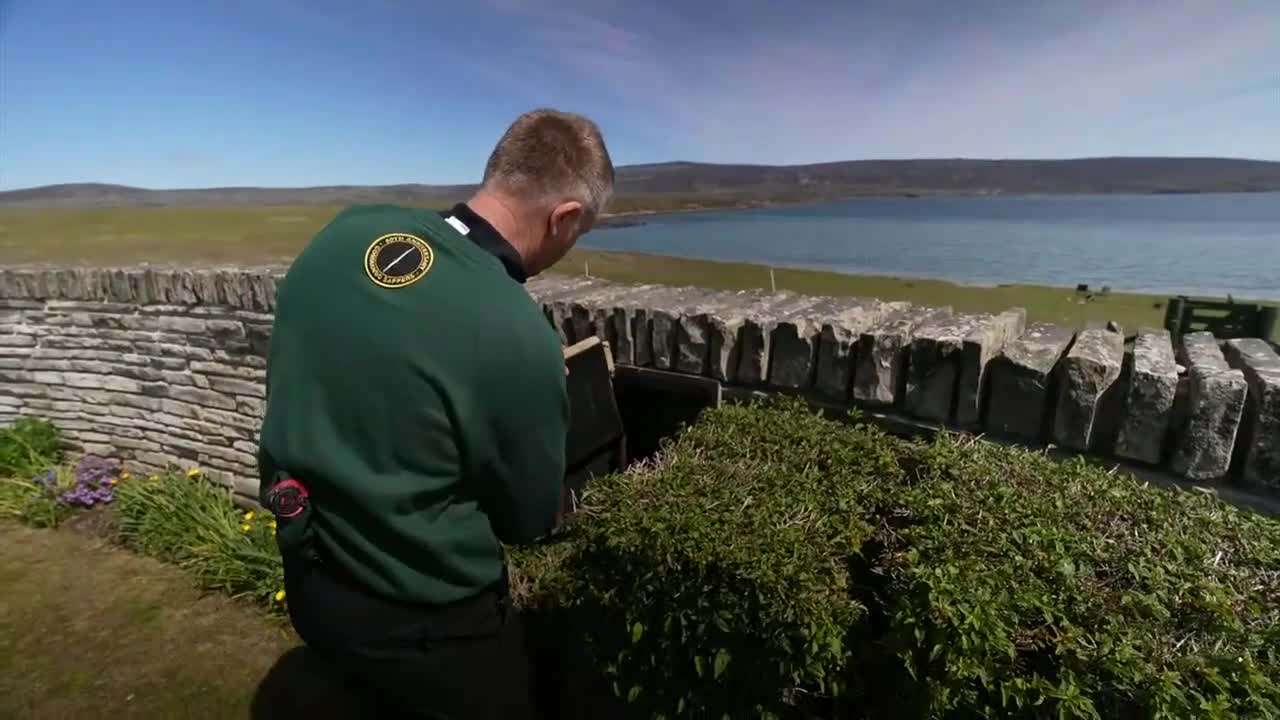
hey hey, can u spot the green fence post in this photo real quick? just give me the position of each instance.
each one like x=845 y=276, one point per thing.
x=1268 y=322
x=1173 y=317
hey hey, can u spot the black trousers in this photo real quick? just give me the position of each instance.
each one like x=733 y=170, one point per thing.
x=463 y=661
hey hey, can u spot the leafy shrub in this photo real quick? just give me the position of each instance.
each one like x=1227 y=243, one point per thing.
x=770 y=562
x=29 y=446
x=722 y=572
x=30 y=485
x=38 y=501
x=190 y=521
x=1024 y=586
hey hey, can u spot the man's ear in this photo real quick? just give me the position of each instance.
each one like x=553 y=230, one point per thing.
x=566 y=217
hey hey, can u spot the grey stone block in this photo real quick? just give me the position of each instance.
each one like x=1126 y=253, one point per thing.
x=934 y=365
x=1022 y=382
x=1216 y=397
x=1153 y=384
x=881 y=363
x=838 y=343
x=691 y=344
x=557 y=302
x=587 y=311
x=981 y=346
x=756 y=335
x=707 y=334
x=617 y=318
x=794 y=344
x=665 y=310
x=1260 y=466
x=1089 y=371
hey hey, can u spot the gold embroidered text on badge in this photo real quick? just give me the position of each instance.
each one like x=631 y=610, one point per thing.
x=397 y=259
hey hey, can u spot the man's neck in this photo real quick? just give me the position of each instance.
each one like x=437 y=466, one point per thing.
x=499 y=213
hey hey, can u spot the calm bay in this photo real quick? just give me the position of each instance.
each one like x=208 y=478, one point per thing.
x=1212 y=244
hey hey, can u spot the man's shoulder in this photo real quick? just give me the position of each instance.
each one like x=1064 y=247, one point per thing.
x=514 y=324
x=363 y=218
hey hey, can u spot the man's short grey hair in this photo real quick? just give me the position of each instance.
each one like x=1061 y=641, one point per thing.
x=548 y=156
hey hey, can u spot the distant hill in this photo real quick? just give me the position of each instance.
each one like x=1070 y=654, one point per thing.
x=667 y=185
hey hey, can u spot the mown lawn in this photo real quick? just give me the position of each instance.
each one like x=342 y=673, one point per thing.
x=88 y=630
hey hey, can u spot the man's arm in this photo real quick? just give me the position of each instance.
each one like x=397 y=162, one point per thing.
x=518 y=441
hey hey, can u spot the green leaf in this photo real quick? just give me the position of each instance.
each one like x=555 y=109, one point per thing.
x=637 y=631
x=721 y=662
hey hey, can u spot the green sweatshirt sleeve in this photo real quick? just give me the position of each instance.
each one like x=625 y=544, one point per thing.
x=517 y=440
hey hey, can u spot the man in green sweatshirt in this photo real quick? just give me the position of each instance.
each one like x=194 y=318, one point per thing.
x=416 y=421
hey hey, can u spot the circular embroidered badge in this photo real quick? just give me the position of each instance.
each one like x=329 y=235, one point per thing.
x=397 y=259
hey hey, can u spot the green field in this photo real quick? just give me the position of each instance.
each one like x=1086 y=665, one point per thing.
x=257 y=235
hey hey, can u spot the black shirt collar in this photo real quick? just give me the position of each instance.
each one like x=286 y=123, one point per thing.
x=490 y=240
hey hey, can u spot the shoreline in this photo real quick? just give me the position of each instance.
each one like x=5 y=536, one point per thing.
x=769 y=204
x=1062 y=305
x=1216 y=296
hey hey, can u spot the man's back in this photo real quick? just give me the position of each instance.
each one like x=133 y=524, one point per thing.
x=418 y=393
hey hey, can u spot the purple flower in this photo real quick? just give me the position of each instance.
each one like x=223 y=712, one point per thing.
x=47 y=480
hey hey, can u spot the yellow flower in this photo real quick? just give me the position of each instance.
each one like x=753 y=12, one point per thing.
x=273 y=524
x=280 y=596
x=114 y=481
x=153 y=478
x=248 y=516
x=193 y=473
x=245 y=528
x=125 y=475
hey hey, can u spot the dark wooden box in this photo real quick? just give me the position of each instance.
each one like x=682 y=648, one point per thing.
x=596 y=444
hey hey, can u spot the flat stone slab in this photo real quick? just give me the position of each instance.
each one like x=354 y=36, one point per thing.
x=611 y=319
x=546 y=283
x=756 y=335
x=934 y=366
x=1022 y=378
x=1089 y=371
x=1261 y=426
x=666 y=307
x=838 y=344
x=704 y=343
x=797 y=339
x=1153 y=385
x=881 y=363
x=557 y=305
x=981 y=346
x=588 y=310
x=1216 y=397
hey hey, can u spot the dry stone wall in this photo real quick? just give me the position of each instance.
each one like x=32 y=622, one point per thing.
x=165 y=368
x=1205 y=410
x=158 y=368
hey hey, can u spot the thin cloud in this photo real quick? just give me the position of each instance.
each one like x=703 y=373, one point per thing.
x=811 y=82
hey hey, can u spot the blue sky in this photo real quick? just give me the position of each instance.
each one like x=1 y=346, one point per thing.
x=178 y=93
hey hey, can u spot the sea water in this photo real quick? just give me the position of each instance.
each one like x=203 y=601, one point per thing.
x=1211 y=244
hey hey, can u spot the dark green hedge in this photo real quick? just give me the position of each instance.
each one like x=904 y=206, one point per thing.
x=773 y=563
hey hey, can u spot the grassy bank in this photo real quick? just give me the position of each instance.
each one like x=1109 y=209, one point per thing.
x=1049 y=304
x=256 y=235
x=89 y=630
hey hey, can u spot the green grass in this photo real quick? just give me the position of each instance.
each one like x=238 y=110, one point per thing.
x=257 y=235
x=1047 y=304
x=115 y=236
x=88 y=630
